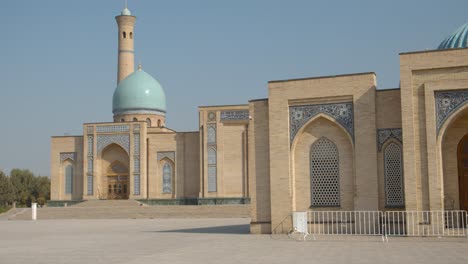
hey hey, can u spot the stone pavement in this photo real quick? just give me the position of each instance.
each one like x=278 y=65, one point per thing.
x=199 y=241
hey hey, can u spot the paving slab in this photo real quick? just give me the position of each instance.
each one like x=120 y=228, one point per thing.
x=199 y=241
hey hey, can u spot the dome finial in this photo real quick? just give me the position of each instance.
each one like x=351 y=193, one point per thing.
x=139 y=65
x=126 y=11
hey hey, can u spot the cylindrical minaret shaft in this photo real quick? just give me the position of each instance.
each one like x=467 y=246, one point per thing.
x=126 y=61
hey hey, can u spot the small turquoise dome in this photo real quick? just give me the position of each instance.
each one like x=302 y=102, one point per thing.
x=139 y=93
x=126 y=12
x=458 y=39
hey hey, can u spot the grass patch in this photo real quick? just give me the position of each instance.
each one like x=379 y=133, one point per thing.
x=3 y=209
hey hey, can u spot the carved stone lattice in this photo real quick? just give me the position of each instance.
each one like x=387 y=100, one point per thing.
x=447 y=103
x=235 y=115
x=341 y=112
x=394 y=191
x=67 y=155
x=119 y=139
x=385 y=134
x=166 y=154
x=324 y=174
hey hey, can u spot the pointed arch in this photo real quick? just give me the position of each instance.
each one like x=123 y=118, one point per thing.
x=314 y=119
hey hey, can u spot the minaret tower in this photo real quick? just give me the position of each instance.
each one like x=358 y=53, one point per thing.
x=126 y=63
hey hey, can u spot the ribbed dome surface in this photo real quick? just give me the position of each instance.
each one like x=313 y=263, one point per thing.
x=139 y=93
x=458 y=39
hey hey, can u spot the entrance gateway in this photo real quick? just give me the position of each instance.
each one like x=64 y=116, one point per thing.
x=117 y=181
x=463 y=172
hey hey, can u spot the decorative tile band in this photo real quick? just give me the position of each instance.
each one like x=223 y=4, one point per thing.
x=234 y=115
x=383 y=135
x=166 y=154
x=136 y=128
x=67 y=155
x=90 y=185
x=448 y=102
x=136 y=164
x=136 y=184
x=90 y=129
x=136 y=144
x=90 y=145
x=122 y=140
x=341 y=112
x=113 y=128
x=211 y=133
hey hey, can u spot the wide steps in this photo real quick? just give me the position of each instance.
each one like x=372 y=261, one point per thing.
x=128 y=211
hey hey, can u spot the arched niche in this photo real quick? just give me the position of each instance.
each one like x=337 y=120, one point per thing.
x=319 y=127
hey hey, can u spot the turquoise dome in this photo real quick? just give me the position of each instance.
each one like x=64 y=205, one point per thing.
x=139 y=93
x=126 y=12
x=458 y=39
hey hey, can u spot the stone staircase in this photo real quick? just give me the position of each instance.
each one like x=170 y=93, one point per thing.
x=131 y=209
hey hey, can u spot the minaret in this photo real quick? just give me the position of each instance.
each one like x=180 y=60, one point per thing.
x=126 y=63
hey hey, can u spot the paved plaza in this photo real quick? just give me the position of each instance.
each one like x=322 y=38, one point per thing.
x=200 y=241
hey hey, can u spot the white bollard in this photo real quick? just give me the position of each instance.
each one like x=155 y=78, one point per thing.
x=34 y=211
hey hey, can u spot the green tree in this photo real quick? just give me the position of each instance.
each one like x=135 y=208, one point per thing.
x=7 y=191
x=41 y=189
x=23 y=182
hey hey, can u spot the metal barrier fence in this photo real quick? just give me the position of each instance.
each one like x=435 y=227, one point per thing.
x=426 y=223
x=311 y=224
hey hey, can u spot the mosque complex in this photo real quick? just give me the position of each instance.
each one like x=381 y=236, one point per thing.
x=321 y=143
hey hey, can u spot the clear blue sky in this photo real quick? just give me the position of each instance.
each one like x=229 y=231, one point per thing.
x=58 y=58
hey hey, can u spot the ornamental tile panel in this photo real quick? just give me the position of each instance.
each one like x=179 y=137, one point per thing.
x=447 y=103
x=383 y=135
x=234 y=115
x=122 y=140
x=211 y=133
x=166 y=154
x=341 y=112
x=67 y=155
x=211 y=116
x=113 y=128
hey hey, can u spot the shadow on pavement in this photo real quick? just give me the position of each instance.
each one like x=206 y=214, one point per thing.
x=231 y=229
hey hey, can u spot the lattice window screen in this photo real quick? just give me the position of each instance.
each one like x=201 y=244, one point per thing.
x=212 y=181
x=324 y=174
x=167 y=178
x=68 y=179
x=394 y=192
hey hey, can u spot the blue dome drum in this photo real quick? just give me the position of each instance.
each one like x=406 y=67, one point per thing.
x=458 y=39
